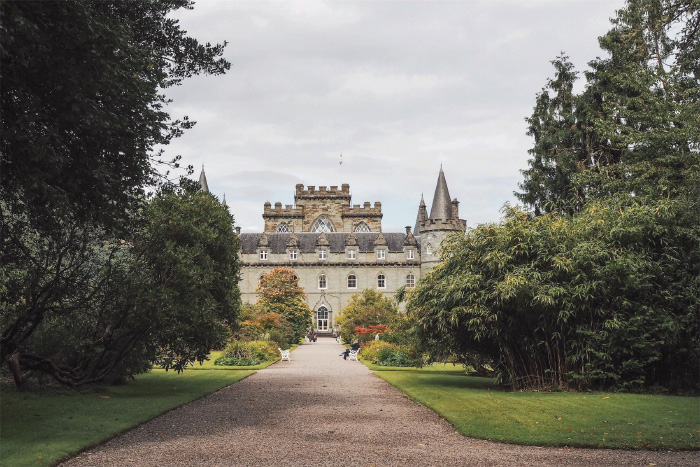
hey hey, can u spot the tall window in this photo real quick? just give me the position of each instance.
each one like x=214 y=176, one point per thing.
x=322 y=224
x=410 y=254
x=362 y=227
x=293 y=255
x=381 y=254
x=410 y=281
x=429 y=249
x=283 y=228
x=322 y=281
x=322 y=254
x=263 y=254
x=352 y=281
x=381 y=281
x=352 y=254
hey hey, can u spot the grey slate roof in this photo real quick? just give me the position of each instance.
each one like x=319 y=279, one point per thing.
x=442 y=203
x=307 y=241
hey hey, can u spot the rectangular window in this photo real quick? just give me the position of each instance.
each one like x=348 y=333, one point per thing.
x=322 y=254
x=381 y=281
x=381 y=254
x=293 y=255
x=263 y=254
x=410 y=254
x=352 y=254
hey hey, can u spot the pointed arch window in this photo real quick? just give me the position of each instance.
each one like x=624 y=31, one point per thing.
x=352 y=281
x=362 y=227
x=381 y=281
x=322 y=224
x=283 y=228
x=429 y=249
x=322 y=281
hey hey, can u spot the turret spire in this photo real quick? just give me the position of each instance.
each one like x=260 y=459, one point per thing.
x=442 y=203
x=422 y=215
x=203 y=181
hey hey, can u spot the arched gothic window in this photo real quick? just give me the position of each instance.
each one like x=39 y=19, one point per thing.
x=322 y=281
x=410 y=281
x=283 y=228
x=381 y=281
x=362 y=227
x=352 y=281
x=322 y=224
x=429 y=249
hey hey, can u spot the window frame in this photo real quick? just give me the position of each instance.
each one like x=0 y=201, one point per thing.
x=381 y=281
x=263 y=255
x=354 y=279
x=410 y=253
x=322 y=254
x=410 y=281
x=322 y=282
x=381 y=254
x=352 y=253
x=293 y=254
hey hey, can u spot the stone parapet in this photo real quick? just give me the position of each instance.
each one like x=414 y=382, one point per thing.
x=322 y=192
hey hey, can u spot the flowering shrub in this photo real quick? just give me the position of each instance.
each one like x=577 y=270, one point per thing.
x=240 y=353
x=365 y=334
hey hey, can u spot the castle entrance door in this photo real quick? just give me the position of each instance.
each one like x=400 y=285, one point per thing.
x=322 y=319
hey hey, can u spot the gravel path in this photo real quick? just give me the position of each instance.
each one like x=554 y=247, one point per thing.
x=321 y=410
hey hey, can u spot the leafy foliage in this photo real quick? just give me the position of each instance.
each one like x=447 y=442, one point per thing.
x=388 y=354
x=248 y=353
x=606 y=298
x=369 y=308
x=166 y=298
x=282 y=301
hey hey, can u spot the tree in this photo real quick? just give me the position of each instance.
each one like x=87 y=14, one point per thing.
x=82 y=113
x=164 y=299
x=635 y=129
x=82 y=103
x=605 y=298
x=369 y=308
x=279 y=293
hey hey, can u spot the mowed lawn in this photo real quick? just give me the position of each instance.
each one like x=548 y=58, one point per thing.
x=46 y=425
x=590 y=419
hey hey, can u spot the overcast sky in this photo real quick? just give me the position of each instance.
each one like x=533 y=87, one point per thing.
x=397 y=87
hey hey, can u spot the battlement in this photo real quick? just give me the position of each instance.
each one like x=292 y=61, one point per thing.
x=313 y=192
x=433 y=225
x=366 y=209
x=287 y=211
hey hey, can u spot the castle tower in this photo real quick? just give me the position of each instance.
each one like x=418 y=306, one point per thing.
x=444 y=218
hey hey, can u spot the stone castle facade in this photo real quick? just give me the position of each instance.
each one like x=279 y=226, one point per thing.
x=338 y=249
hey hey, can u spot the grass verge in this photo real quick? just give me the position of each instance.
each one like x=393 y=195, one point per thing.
x=591 y=419
x=46 y=425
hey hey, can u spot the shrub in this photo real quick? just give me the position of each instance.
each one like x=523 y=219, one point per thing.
x=248 y=353
x=387 y=354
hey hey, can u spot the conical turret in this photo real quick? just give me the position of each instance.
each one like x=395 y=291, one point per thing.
x=422 y=215
x=203 y=181
x=442 y=203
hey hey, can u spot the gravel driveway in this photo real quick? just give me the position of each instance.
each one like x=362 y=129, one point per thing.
x=321 y=410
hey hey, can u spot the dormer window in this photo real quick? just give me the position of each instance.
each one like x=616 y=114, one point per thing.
x=263 y=255
x=381 y=254
x=293 y=255
x=322 y=254
x=352 y=254
x=410 y=254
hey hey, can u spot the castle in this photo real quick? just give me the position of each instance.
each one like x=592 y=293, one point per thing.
x=338 y=249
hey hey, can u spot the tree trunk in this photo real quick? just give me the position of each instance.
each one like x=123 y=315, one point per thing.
x=16 y=370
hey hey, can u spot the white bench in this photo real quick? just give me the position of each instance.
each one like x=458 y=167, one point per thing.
x=353 y=355
x=285 y=354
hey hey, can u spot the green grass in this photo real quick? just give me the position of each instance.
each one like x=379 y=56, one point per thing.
x=601 y=420
x=45 y=425
x=209 y=364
